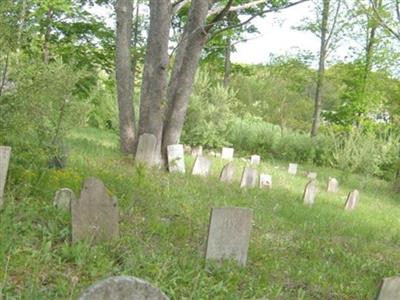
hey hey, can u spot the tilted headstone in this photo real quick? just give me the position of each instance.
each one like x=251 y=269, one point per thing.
x=352 y=200
x=229 y=234
x=5 y=154
x=227 y=153
x=176 y=158
x=122 y=288
x=201 y=166
x=312 y=175
x=249 y=178
x=255 y=160
x=333 y=185
x=265 y=181
x=390 y=289
x=95 y=214
x=197 y=151
x=292 y=169
x=63 y=199
x=310 y=192
x=227 y=173
x=146 y=149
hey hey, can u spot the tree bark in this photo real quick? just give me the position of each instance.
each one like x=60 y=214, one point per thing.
x=227 y=63
x=321 y=69
x=124 y=75
x=47 y=34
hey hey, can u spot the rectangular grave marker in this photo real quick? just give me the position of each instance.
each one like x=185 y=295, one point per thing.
x=229 y=234
x=292 y=169
x=5 y=154
x=265 y=181
x=390 y=289
x=197 y=151
x=352 y=200
x=249 y=178
x=176 y=158
x=333 y=185
x=63 y=199
x=146 y=149
x=227 y=173
x=201 y=166
x=227 y=153
x=310 y=192
x=255 y=160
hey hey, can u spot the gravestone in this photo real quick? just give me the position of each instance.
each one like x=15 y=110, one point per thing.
x=310 y=191
x=229 y=234
x=249 y=178
x=5 y=154
x=122 y=288
x=390 y=289
x=227 y=173
x=197 y=151
x=265 y=181
x=201 y=166
x=227 y=153
x=292 y=169
x=63 y=199
x=255 y=160
x=187 y=149
x=146 y=149
x=312 y=175
x=95 y=214
x=333 y=185
x=352 y=200
x=176 y=159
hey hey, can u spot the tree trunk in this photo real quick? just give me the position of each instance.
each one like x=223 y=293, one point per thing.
x=184 y=71
x=4 y=74
x=124 y=75
x=155 y=72
x=321 y=70
x=227 y=64
x=47 y=34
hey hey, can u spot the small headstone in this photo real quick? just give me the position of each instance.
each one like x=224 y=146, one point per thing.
x=122 y=288
x=227 y=173
x=352 y=200
x=310 y=191
x=201 y=166
x=229 y=234
x=292 y=169
x=249 y=178
x=5 y=154
x=176 y=159
x=255 y=160
x=95 y=214
x=63 y=199
x=197 y=151
x=333 y=185
x=265 y=181
x=390 y=289
x=227 y=153
x=312 y=175
x=187 y=148
x=146 y=149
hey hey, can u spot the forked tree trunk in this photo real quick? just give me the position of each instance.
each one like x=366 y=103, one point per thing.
x=124 y=75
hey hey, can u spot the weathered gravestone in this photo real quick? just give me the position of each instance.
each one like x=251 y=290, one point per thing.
x=176 y=159
x=265 y=181
x=292 y=169
x=197 y=151
x=201 y=166
x=312 y=175
x=146 y=149
x=229 y=234
x=310 y=191
x=122 y=288
x=255 y=160
x=63 y=199
x=227 y=153
x=249 y=178
x=227 y=173
x=5 y=154
x=352 y=200
x=390 y=289
x=187 y=148
x=333 y=185
x=95 y=214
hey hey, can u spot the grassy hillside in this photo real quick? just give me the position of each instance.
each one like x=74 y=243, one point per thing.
x=296 y=252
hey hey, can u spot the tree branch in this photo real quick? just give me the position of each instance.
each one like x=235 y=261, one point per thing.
x=238 y=7
x=219 y=16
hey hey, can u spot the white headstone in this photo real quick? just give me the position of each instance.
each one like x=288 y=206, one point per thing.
x=249 y=178
x=5 y=154
x=227 y=173
x=255 y=160
x=176 y=159
x=265 y=180
x=201 y=166
x=146 y=149
x=227 y=153
x=197 y=151
x=390 y=289
x=229 y=234
x=292 y=169
x=312 y=175
x=310 y=192
x=333 y=185
x=63 y=199
x=352 y=200
x=122 y=288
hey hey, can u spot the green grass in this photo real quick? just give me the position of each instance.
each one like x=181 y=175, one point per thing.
x=296 y=252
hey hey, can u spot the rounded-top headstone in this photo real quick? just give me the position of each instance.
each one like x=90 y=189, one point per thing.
x=122 y=288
